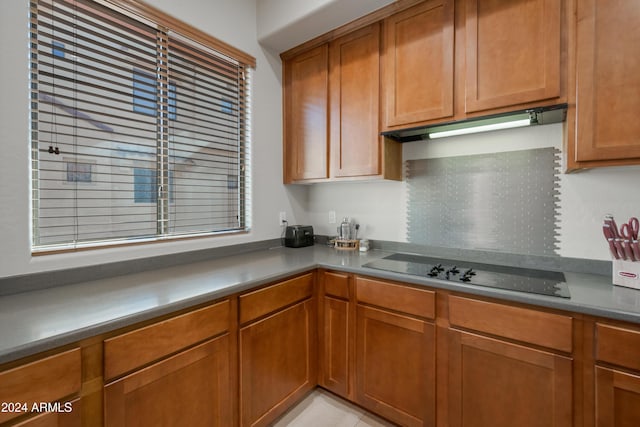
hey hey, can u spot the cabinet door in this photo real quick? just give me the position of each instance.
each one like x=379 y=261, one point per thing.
x=512 y=52
x=277 y=363
x=190 y=389
x=498 y=384
x=617 y=398
x=395 y=359
x=608 y=80
x=306 y=94
x=47 y=380
x=69 y=415
x=334 y=345
x=417 y=71
x=354 y=92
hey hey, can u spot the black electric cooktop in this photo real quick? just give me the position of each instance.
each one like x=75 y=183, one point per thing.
x=493 y=276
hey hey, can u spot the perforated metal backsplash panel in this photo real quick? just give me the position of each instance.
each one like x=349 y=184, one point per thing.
x=503 y=202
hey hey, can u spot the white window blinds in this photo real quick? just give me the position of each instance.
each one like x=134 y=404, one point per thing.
x=137 y=132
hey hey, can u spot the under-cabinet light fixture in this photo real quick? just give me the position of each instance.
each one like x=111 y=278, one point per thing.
x=480 y=128
x=512 y=119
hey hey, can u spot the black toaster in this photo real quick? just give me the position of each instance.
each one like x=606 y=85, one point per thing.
x=298 y=236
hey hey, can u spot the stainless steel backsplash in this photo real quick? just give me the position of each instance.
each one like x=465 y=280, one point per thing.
x=503 y=202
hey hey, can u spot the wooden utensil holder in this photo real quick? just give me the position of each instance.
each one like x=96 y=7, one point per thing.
x=347 y=244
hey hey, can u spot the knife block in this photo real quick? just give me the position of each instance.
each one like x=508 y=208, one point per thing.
x=626 y=273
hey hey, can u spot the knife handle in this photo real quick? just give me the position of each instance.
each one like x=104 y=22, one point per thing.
x=621 y=249
x=635 y=248
x=626 y=244
x=613 y=248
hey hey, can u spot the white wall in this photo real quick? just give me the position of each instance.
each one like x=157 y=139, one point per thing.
x=231 y=21
x=378 y=206
x=283 y=24
x=585 y=197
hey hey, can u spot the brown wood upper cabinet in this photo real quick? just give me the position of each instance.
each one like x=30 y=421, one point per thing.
x=607 y=83
x=446 y=60
x=512 y=52
x=354 y=94
x=306 y=88
x=417 y=64
x=331 y=112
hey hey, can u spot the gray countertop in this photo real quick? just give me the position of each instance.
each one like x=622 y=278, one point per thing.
x=40 y=320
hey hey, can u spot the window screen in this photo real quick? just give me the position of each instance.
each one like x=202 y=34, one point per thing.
x=136 y=129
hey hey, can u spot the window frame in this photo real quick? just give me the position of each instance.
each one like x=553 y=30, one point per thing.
x=164 y=23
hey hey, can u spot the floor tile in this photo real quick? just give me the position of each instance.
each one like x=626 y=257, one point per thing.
x=323 y=409
x=369 y=420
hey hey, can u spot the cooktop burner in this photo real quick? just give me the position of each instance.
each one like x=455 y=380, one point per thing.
x=494 y=276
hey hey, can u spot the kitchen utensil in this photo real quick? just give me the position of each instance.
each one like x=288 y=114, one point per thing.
x=635 y=247
x=608 y=219
x=629 y=234
x=345 y=229
x=624 y=250
x=630 y=229
x=347 y=232
x=608 y=235
x=626 y=247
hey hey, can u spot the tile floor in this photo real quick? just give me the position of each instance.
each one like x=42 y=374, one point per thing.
x=323 y=409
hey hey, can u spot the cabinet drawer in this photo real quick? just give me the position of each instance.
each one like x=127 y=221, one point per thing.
x=191 y=388
x=264 y=301
x=62 y=418
x=46 y=380
x=618 y=346
x=418 y=302
x=141 y=346
x=336 y=285
x=531 y=326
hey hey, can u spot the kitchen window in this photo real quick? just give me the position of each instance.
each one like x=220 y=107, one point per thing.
x=160 y=112
x=145 y=99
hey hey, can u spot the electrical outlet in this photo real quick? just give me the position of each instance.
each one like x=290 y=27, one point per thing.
x=282 y=220
x=332 y=217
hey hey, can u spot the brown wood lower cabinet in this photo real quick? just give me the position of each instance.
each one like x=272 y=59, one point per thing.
x=336 y=328
x=334 y=347
x=493 y=383
x=617 y=389
x=395 y=351
x=508 y=365
x=69 y=415
x=247 y=359
x=277 y=363
x=395 y=361
x=617 y=398
x=51 y=382
x=188 y=389
x=176 y=371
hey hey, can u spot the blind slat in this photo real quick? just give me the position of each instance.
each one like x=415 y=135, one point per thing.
x=151 y=130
